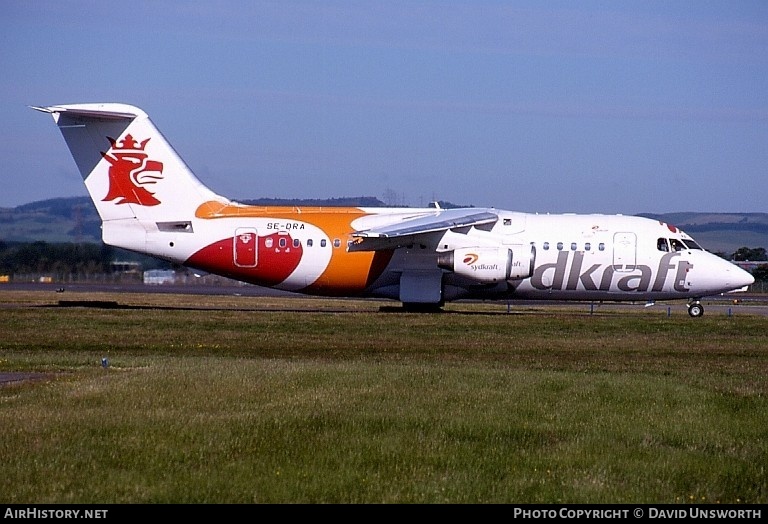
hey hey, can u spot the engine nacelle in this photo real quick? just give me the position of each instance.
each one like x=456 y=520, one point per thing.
x=490 y=264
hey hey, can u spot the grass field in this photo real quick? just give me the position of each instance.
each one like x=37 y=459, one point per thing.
x=244 y=399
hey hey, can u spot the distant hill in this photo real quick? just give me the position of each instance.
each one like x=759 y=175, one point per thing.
x=321 y=202
x=56 y=220
x=74 y=219
x=720 y=232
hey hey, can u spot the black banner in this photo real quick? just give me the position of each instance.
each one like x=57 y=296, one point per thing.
x=510 y=511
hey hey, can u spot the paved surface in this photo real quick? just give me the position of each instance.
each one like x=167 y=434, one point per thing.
x=21 y=376
x=755 y=304
x=245 y=290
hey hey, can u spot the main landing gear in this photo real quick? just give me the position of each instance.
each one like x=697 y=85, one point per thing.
x=695 y=309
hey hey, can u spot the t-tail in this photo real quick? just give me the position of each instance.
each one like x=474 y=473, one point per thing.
x=139 y=184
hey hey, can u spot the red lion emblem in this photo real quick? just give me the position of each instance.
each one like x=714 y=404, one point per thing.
x=130 y=171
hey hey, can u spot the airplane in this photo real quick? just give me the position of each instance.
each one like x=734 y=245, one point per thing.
x=150 y=202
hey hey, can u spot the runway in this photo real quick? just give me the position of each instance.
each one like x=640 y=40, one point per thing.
x=731 y=304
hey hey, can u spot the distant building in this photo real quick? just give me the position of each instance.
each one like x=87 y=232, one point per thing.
x=748 y=265
x=159 y=276
x=125 y=267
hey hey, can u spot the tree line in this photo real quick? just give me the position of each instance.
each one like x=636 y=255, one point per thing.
x=67 y=258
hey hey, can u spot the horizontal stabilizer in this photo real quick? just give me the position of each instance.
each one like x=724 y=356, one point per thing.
x=98 y=111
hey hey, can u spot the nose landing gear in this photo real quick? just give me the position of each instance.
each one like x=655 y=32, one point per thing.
x=695 y=309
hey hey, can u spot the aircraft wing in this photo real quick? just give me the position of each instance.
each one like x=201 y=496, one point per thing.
x=407 y=231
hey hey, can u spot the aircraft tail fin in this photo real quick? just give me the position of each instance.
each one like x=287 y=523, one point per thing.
x=135 y=178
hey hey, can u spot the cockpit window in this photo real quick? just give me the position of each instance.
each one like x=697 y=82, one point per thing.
x=663 y=244
x=677 y=245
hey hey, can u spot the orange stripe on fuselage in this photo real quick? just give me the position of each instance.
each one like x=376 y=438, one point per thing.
x=347 y=273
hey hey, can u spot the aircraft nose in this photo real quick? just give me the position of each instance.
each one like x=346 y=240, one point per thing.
x=736 y=277
x=720 y=275
x=743 y=278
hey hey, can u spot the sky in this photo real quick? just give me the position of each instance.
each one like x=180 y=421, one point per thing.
x=539 y=106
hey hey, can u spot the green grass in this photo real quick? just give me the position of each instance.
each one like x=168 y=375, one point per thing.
x=238 y=399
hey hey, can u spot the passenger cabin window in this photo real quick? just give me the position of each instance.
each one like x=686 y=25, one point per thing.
x=296 y=242
x=573 y=246
x=661 y=244
x=559 y=246
x=336 y=242
x=283 y=242
x=322 y=242
x=601 y=246
x=309 y=242
x=546 y=245
x=587 y=246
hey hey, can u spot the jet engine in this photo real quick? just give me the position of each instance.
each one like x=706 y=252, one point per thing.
x=490 y=264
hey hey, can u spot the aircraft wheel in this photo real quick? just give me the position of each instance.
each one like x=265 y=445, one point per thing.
x=695 y=309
